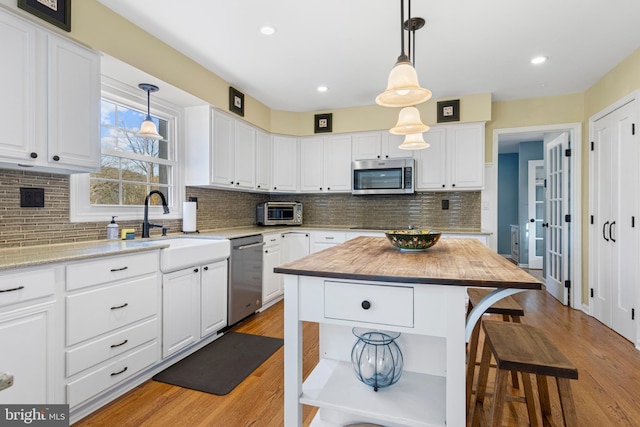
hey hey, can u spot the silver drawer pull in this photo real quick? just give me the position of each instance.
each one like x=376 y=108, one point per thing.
x=120 y=306
x=118 y=345
x=119 y=269
x=113 y=374
x=12 y=289
x=329 y=237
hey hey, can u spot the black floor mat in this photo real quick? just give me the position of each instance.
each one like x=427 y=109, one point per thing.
x=220 y=366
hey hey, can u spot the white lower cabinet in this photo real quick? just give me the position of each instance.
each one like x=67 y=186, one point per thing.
x=295 y=245
x=27 y=300
x=112 y=323
x=194 y=304
x=272 y=284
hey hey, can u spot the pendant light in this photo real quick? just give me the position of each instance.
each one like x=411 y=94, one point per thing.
x=414 y=141
x=148 y=127
x=403 y=89
x=409 y=122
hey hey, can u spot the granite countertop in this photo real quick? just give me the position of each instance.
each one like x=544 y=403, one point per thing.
x=16 y=257
x=461 y=262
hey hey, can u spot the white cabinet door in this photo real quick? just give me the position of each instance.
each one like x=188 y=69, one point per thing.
x=367 y=146
x=223 y=150
x=390 y=144
x=27 y=343
x=320 y=240
x=18 y=89
x=337 y=163
x=272 y=283
x=295 y=245
x=431 y=162
x=285 y=164
x=263 y=161
x=180 y=310
x=213 y=294
x=466 y=146
x=73 y=106
x=312 y=164
x=245 y=156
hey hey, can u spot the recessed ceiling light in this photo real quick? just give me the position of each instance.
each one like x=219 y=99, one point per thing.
x=268 y=30
x=322 y=88
x=539 y=60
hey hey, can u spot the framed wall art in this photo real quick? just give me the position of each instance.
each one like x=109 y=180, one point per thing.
x=449 y=111
x=236 y=101
x=56 y=12
x=322 y=123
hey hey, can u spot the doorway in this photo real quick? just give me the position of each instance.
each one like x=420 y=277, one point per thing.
x=571 y=276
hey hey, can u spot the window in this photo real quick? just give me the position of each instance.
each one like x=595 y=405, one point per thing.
x=130 y=166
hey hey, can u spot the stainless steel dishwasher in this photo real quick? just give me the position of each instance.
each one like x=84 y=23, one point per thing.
x=245 y=277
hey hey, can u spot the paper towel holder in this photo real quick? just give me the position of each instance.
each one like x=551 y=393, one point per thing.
x=190 y=200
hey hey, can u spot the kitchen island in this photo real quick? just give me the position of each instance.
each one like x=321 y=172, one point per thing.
x=368 y=283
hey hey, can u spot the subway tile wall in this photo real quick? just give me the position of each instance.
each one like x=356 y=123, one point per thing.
x=221 y=208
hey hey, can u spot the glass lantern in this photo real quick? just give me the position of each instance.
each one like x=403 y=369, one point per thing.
x=376 y=358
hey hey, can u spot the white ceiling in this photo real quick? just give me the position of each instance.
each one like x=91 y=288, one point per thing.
x=466 y=46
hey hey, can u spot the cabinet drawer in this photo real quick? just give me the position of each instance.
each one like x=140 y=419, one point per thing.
x=96 y=312
x=328 y=237
x=98 y=351
x=387 y=305
x=272 y=239
x=26 y=285
x=90 y=385
x=105 y=270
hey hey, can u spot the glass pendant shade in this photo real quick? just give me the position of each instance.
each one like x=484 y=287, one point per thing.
x=414 y=141
x=403 y=88
x=148 y=130
x=409 y=122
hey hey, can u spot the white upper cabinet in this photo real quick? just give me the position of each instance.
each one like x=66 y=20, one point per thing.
x=263 y=161
x=221 y=150
x=325 y=164
x=377 y=145
x=285 y=164
x=455 y=159
x=50 y=108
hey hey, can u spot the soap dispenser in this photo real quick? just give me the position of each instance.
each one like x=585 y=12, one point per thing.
x=112 y=229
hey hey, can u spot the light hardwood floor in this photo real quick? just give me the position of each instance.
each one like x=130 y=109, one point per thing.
x=607 y=392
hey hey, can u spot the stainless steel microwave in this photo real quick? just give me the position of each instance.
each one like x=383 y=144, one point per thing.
x=389 y=176
x=279 y=213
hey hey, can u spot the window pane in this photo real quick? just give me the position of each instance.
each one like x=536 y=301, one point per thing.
x=109 y=168
x=130 y=119
x=133 y=194
x=108 y=113
x=159 y=174
x=155 y=199
x=134 y=170
x=104 y=192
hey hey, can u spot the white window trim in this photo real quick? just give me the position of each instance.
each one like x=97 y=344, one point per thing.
x=80 y=208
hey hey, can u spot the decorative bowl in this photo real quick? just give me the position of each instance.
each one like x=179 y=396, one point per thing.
x=413 y=240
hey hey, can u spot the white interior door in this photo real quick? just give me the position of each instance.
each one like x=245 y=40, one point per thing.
x=614 y=236
x=536 y=198
x=557 y=234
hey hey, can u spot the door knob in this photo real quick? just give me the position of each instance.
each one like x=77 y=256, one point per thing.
x=532 y=220
x=545 y=224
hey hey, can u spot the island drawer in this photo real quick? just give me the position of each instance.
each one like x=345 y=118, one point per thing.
x=379 y=304
x=23 y=286
x=96 y=312
x=97 y=351
x=110 y=269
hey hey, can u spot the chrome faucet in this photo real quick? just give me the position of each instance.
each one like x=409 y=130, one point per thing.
x=146 y=224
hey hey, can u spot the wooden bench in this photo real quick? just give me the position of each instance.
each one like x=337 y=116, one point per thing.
x=509 y=309
x=525 y=349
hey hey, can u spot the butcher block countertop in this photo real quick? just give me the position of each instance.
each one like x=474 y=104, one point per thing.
x=458 y=262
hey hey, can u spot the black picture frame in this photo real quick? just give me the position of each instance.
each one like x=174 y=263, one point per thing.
x=60 y=16
x=322 y=123
x=449 y=111
x=236 y=101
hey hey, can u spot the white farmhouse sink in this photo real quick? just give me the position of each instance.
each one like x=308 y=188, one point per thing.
x=186 y=252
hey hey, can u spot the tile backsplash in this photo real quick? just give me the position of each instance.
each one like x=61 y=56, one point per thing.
x=221 y=208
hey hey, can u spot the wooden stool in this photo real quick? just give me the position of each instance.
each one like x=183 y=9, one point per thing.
x=524 y=348
x=509 y=309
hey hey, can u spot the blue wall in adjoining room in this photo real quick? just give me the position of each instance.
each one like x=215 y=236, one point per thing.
x=508 y=183
x=533 y=150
